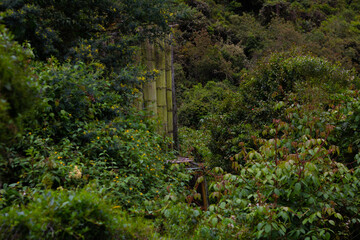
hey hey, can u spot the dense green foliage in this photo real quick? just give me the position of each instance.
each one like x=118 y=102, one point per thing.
x=15 y=86
x=71 y=215
x=58 y=28
x=268 y=105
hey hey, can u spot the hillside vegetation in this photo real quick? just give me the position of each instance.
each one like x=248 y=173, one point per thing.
x=268 y=105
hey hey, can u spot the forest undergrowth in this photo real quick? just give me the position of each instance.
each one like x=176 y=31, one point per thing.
x=268 y=106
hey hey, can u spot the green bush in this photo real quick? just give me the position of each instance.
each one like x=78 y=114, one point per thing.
x=212 y=99
x=281 y=80
x=72 y=94
x=217 y=107
x=194 y=143
x=54 y=28
x=179 y=220
x=17 y=94
x=204 y=59
x=70 y=215
x=345 y=112
x=287 y=77
x=281 y=73
x=86 y=129
x=290 y=186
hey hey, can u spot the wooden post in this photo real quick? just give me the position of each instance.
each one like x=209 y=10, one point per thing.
x=204 y=194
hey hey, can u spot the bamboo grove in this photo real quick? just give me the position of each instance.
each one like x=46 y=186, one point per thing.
x=158 y=96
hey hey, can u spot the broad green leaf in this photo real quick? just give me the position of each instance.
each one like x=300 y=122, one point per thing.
x=214 y=221
x=338 y=215
x=267 y=228
x=222 y=205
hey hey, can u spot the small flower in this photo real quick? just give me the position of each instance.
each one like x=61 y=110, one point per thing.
x=76 y=173
x=130 y=189
x=141 y=193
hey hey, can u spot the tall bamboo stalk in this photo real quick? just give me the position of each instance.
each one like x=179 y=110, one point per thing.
x=159 y=94
x=161 y=87
x=139 y=58
x=150 y=96
x=175 y=118
x=169 y=93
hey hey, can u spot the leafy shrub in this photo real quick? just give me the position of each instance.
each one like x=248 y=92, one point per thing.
x=86 y=129
x=282 y=72
x=204 y=60
x=225 y=136
x=70 y=215
x=75 y=93
x=194 y=143
x=212 y=99
x=218 y=108
x=287 y=77
x=53 y=28
x=16 y=90
x=180 y=220
x=337 y=40
x=291 y=186
x=344 y=111
x=279 y=81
